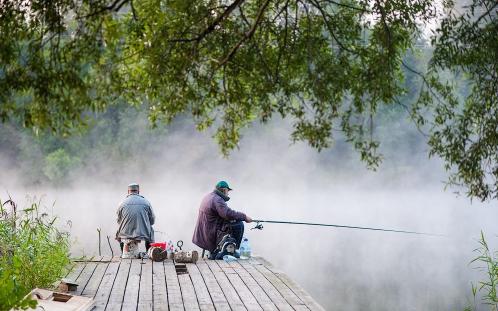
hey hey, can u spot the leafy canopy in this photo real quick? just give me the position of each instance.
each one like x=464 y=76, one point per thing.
x=326 y=65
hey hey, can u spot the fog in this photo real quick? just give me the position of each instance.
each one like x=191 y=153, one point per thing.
x=273 y=179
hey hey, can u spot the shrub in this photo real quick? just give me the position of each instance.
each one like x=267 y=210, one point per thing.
x=33 y=253
x=58 y=164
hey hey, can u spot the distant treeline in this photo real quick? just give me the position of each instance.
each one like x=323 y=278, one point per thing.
x=120 y=134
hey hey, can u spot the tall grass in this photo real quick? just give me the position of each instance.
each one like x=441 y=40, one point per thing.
x=33 y=253
x=485 y=291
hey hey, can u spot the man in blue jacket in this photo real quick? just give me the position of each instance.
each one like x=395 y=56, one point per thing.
x=135 y=219
x=216 y=219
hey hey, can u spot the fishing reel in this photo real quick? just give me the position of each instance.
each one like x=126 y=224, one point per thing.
x=258 y=226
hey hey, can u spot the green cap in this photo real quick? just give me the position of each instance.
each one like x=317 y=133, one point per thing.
x=223 y=184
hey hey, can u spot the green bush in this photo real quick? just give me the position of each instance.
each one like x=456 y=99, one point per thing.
x=58 y=164
x=33 y=253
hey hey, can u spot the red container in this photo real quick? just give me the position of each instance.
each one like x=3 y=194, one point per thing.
x=159 y=244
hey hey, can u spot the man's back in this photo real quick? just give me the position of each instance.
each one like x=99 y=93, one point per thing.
x=135 y=219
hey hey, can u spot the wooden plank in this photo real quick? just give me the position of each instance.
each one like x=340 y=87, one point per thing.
x=104 y=289
x=284 y=290
x=75 y=272
x=132 y=286
x=230 y=293
x=267 y=287
x=202 y=293
x=258 y=260
x=145 y=299
x=257 y=291
x=119 y=286
x=160 y=294
x=300 y=308
x=188 y=292
x=76 y=303
x=106 y=258
x=93 y=284
x=297 y=289
x=250 y=302
x=293 y=286
x=218 y=298
x=84 y=277
x=175 y=300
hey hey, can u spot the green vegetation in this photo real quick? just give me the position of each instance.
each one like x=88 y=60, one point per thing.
x=55 y=160
x=486 y=289
x=33 y=253
x=322 y=64
x=58 y=164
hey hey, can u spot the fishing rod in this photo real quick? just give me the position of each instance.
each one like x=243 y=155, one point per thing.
x=259 y=226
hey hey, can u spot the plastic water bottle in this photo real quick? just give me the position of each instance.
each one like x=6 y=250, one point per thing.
x=170 y=247
x=228 y=258
x=245 y=249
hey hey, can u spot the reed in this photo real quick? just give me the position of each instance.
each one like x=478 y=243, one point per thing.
x=484 y=292
x=33 y=253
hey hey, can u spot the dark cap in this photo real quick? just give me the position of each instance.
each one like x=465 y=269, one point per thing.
x=223 y=184
x=133 y=187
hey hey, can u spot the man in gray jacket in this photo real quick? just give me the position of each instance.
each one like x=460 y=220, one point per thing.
x=135 y=219
x=216 y=218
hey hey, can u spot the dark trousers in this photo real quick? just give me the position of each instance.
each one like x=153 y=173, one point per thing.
x=237 y=231
x=147 y=245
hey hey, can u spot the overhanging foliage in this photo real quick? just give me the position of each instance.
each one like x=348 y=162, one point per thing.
x=326 y=65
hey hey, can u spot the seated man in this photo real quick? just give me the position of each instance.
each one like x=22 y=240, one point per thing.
x=135 y=219
x=216 y=219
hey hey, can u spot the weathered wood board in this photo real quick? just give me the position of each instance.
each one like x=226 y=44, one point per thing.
x=143 y=285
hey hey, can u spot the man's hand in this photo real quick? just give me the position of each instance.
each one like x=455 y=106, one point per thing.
x=248 y=219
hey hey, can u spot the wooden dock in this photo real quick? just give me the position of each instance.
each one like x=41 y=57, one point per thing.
x=134 y=284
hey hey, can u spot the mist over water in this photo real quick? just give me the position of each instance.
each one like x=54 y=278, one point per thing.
x=343 y=269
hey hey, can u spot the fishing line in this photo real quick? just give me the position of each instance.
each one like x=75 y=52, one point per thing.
x=259 y=226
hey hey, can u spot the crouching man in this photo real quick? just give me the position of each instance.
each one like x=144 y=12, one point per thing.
x=135 y=220
x=216 y=220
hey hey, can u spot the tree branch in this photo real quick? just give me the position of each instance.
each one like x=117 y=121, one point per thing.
x=115 y=6
x=317 y=5
x=247 y=35
x=279 y=12
x=133 y=11
x=348 y=6
x=408 y=110
x=487 y=13
x=284 y=45
x=213 y=25
x=258 y=49
x=425 y=81
x=309 y=60
x=383 y=16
